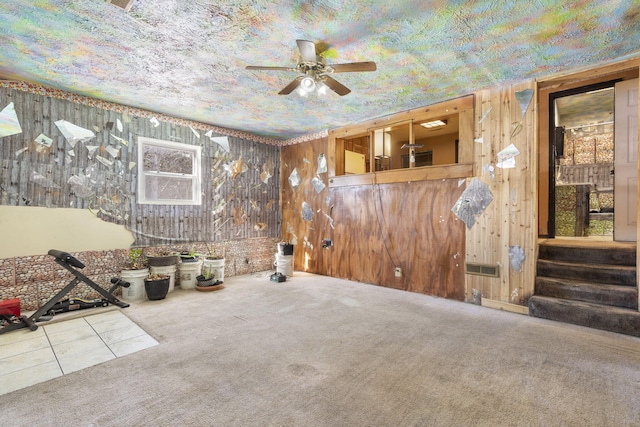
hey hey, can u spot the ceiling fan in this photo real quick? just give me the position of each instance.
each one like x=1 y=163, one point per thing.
x=316 y=73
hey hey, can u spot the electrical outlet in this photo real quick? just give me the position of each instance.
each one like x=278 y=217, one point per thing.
x=398 y=272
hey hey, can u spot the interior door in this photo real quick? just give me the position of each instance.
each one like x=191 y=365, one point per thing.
x=626 y=161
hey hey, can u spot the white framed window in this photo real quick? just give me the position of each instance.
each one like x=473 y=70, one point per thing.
x=168 y=172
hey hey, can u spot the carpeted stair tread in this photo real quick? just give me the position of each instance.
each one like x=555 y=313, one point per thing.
x=604 y=273
x=597 y=293
x=617 y=255
x=608 y=318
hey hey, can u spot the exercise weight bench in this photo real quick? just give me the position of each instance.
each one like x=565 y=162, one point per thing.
x=74 y=265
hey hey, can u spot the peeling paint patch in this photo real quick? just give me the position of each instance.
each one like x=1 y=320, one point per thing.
x=472 y=202
x=74 y=134
x=318 y=184
x=490 y=170
x=307 y=212
x=42 y=181
x=507 y=157
x=9 y=124
x=322 y=164
x=516 y=257
x=294 y=179
x=514 y=295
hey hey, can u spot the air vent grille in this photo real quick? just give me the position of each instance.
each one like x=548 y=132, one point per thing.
x=482 y=269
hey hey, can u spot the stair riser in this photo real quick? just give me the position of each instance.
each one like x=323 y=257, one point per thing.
x=626 y=298
x=601 y=317
x=613 y=256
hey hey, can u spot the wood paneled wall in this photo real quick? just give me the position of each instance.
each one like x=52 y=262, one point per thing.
x=378 y=227
x=510 y=220
x=240 y=191
x=375 y=228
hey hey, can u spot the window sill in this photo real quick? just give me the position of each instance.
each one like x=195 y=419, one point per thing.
x=425 y=173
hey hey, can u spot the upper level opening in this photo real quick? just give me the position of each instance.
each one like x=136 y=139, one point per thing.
x=429 y=138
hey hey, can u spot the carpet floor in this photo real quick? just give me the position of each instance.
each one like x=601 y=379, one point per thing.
x=319 y=351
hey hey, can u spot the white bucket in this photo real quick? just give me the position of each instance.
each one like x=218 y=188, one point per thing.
x=170 y=270
x=284 y=264
x=214 y=266
x=188 y=272
x=135 y=291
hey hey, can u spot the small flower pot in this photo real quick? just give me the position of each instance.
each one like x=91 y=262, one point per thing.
x=157 y=289
x=208 y=285
x=162 y=261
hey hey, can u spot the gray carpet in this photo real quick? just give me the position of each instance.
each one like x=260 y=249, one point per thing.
x=316 y=351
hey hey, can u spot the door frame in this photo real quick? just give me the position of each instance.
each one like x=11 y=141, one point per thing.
x=624 y=70
x=551 y=222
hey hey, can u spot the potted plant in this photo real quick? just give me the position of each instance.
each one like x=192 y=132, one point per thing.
x=214 y=263
x=163 y=261
x=134 y=272
x=189 y=255
x=159 y=257
x=188 y=268
x=157 y=286
x=207 y=282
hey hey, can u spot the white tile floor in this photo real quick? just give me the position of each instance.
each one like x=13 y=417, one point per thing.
x=30 y=357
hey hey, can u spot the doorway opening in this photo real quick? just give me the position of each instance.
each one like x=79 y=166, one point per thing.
x=581 y=162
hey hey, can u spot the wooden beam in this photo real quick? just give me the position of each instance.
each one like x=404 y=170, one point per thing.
x=424 y=173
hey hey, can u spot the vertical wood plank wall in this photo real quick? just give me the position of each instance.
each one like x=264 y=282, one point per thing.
x=238 y=201
x=510 y=219
x=376 y=228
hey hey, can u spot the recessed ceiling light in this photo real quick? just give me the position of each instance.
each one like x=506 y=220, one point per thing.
x=434 y=124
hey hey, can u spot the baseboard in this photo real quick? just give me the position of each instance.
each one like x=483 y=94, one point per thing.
x=499 y=305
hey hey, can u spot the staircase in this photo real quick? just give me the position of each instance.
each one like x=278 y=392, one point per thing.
x=590 y=283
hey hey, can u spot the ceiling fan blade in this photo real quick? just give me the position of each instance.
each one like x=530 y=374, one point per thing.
x=259 y=67
x=307 y=50
x=353 y=67
x=291 y=86
x=336 y=86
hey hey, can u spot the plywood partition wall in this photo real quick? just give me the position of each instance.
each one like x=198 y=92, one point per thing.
x=375 y=227
x=509 y=224
x=306 y=235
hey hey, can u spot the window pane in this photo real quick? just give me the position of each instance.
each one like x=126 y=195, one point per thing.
x=388 y=143
x=440 y=137
x=162 y=159
x=168 y=188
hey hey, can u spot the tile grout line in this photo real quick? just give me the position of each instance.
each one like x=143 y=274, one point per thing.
x=99 y=336
x=44 y=329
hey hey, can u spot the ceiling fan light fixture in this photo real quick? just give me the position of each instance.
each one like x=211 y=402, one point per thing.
x=323 y=89
x=308 y=84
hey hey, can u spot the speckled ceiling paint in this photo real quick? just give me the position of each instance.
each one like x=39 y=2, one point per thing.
x=188 y=58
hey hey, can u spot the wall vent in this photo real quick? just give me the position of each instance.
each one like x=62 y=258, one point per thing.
x=123 y=4
x=482 y=269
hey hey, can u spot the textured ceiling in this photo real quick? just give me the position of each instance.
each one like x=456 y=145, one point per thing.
x=188 y=58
